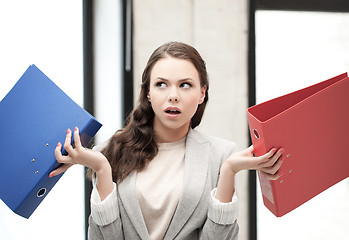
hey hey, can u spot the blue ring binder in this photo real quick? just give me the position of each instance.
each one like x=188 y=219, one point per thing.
x=35 y=115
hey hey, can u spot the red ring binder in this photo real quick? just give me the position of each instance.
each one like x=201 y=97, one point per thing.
x=311 y=124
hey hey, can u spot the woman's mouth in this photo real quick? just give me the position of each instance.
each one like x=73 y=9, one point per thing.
x=172 y=111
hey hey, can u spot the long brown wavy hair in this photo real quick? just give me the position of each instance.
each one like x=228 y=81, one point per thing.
x=132 y=147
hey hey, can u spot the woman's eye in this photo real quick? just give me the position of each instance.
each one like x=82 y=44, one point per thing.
x=160 y=84
x=186 y=85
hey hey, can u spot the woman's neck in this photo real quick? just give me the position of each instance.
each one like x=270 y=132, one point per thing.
x=170 y=135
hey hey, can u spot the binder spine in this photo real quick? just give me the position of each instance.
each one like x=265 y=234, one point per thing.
x=257 y=135
x=88 y=131
x=37 y=195
x=261 y=146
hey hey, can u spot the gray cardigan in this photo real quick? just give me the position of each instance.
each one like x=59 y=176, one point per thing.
x=194 y=217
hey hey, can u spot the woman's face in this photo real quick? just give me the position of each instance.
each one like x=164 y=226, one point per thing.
x=174 y=93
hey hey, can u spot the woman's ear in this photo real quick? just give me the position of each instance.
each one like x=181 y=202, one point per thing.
x=203 y=94
x=148 y=96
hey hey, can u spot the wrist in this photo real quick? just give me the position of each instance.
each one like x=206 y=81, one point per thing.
x=104 y=181
x=227 y=168
x=103 y=168
x=226 y=184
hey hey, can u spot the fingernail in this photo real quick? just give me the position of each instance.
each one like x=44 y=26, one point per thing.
x=76 y=128
x=68 y=131
x=51 y=175
x=58 y=144
x=282 y=150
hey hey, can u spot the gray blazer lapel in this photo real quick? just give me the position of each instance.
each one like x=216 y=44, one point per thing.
x=128 y=196
x=195 y=174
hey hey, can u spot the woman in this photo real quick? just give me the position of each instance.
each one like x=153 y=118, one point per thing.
x=158 y=178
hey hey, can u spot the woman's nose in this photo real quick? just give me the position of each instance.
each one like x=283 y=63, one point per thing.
x=173 y=96
x=174 y=99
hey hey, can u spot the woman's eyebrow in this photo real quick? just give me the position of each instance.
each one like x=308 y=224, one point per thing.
x=185 y=79
x=160 y=78
x=180 y=80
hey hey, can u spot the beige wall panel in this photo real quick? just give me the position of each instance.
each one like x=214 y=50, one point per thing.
x=157 y=22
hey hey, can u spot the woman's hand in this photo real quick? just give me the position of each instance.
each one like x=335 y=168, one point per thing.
x=88 y=158
x=267 y=164
x=78 y=155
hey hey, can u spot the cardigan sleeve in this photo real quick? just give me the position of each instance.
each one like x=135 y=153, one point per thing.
x=223 y=213
x=104 y=221
x=106 y=211
x=221 y=220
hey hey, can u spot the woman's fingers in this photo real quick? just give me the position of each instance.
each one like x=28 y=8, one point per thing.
x=67 y=144
x=266 y=157
x=270 y=158
x=59 y=157
x=273 y=169
x=60 y=170
x=268 y=163
x=270 y=176
x=58 y=151
x=77 y=141
x=67 y=161
x=270 y=168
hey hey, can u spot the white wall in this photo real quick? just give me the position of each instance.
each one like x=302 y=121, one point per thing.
x=49 y=35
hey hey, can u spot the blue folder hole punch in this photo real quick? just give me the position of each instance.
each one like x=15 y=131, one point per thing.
x=41 y=192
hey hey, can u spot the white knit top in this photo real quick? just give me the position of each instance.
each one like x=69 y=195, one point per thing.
x=159 y=187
